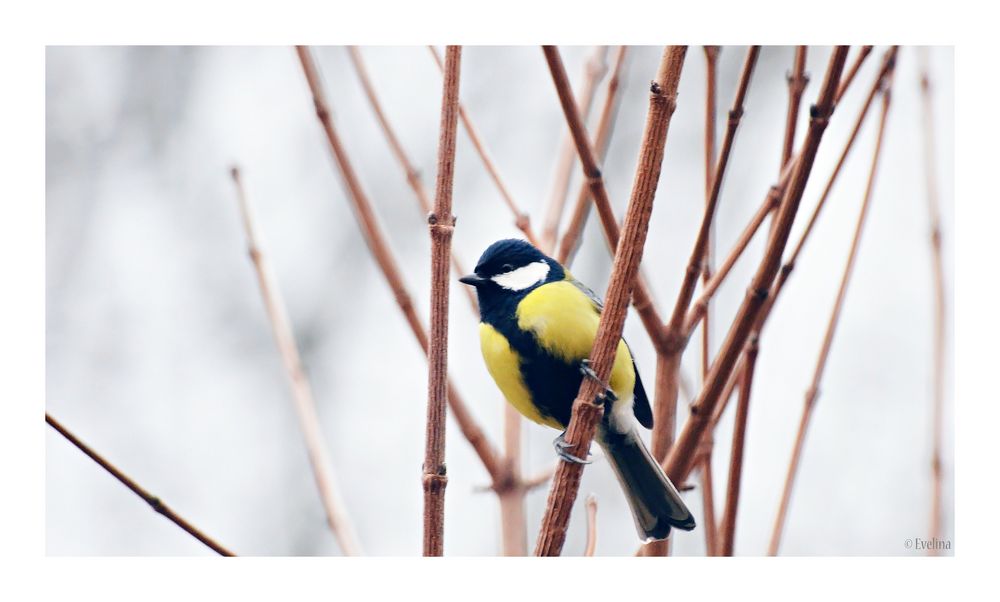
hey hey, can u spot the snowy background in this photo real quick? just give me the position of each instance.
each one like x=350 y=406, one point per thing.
x=160 y=354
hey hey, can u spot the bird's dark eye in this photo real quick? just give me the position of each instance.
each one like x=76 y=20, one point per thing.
x=506 y=268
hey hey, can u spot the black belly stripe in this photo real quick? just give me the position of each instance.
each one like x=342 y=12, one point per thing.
x=552 y=382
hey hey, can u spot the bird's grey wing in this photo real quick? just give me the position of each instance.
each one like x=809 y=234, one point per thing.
x=641 y=408
x=598 y=304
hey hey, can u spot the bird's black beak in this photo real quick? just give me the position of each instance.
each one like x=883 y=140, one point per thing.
x=472 y=280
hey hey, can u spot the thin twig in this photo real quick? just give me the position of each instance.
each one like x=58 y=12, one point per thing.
x=797 y=82
x=602 y=138
x=510 y=490
x=711 y=65
x=591 y=546
x=593 y=71
x=699 y=307
x=669 y=361
x=682 y=454
x=788 y=267
x=412 y=173
x=727 y=529
x=642 y=298
x=521 y=219
x=813 y=391
x=587 y=410
x=853 y=71
x=940 y=309
x=302 y=396
x=695 y=261
x=708 y=499
x=442 y=226
x=387 y=263
x=698 y=251
x=154 y=502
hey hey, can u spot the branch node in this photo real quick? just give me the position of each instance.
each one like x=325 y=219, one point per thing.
x=439 y=225
x=156 y=504
x=435 y=483
x=523 y=222
x=819 y=116
x=321 y=111
x=759 y=293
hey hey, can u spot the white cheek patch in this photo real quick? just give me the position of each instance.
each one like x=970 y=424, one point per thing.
x=523 y=277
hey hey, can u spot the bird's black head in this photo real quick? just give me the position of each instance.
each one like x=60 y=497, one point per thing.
x=510 y=269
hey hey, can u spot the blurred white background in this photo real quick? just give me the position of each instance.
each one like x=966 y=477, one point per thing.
x=160 y=355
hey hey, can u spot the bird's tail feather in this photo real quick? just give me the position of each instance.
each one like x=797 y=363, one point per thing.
x=654 y=501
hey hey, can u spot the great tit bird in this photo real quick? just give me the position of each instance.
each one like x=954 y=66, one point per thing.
x=537 y=327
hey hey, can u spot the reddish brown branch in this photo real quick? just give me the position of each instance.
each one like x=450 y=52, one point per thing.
x=387 y=263
x=853 y=71
x=708 y=500
x=813 y=392
x=711 y=65
x=789 y=265
x=940 y=309
x=521 y=219
x=797 y=82
x=681 y=456
x=154 y=502
x=888 y=64
x=594 y=70
x=642 y=298
x=699 y=308
x=602 y=139
x=666 y=406
x=727 y=529
x=442 y=226
x=412 y=173
x=302 y=396
x=587 y=410
x=700 y=245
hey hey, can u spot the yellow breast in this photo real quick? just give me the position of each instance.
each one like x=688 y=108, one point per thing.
x=504 y=366
x=565 y=320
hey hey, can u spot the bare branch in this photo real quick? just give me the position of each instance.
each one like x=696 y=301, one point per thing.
x=412 y=173
x=521 y=219
x=387 y=263
x=711 y=66
x=727 y=529
x=699 y=308
x=586 y=410
x=681 y=455
x=813 y=391
x=789 y=265
x=797 y=82
x=708 y=500
x=442 y=226
x=642 y=298
x=940 y=308
x=154 y=502
x=302 y=396
x=698 y=252
x=853 y=71
x=602 y=139
x=666 y=406
x=594 y=70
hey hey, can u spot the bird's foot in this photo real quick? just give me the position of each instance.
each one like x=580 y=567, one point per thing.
x=608 y=396
x=561 y=444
